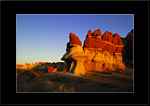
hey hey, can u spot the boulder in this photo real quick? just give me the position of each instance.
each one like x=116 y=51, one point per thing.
x=65 y=70
x=52 y=69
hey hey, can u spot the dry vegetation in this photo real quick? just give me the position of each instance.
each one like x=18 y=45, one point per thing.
x=108 y=81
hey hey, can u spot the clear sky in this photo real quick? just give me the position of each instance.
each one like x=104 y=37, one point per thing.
x=43 y=37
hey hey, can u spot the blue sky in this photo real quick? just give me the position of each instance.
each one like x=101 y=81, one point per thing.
x=43 y=37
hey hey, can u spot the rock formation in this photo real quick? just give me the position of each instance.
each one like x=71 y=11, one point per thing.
x=97 y=54
x=52 y=69
x=18 y=66
x=74 y=56
x=127 y=51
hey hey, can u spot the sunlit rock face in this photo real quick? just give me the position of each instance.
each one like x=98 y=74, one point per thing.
x=74 y=56
x=97 y=54
x=52 y=69
x=18 y=66
x=89 y=41
x=74 y=40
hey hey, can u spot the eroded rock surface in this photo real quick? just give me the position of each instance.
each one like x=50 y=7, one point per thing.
x=97 y=54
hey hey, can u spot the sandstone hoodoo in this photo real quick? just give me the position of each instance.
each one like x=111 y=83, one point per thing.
x=99 y=52
x=89 y=41
x=74 y=56
x=74 y=40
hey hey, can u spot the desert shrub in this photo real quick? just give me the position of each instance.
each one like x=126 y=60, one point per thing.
x=41 y=72
x=27 y=75
x=37 y=87
x=62 y=79
x=63 y=89
x=28 y=78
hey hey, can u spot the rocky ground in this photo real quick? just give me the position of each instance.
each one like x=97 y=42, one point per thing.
x=108 y=81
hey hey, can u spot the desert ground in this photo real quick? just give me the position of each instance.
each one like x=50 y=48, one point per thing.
x=30 y=80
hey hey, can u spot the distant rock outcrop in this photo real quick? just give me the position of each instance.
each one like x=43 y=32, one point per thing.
x=98 y=53
x=127 y=51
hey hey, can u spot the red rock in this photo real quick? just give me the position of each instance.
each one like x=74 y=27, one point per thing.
x=113 y=46
x=64 y=70
x=105 y=39
x=97 y=33
x=110 y=39
x=118 y=43
x=52 y=69
x=89 y=41
x=19 y=66
x=90 y=33
x=74 y=40
x=99 y=42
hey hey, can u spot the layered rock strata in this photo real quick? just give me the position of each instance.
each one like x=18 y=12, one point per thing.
x=99 y=52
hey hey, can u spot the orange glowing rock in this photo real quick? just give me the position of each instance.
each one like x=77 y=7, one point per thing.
x=118 y=43
x=100 y=53
x=97 y=33
x=89 y=33
x=74 y=40
x=99 y=42
x=27 y=66
x=105 y=39
x=94 y=41
x=52 y=69
x=18 y=66
x=89 y=41
x=37 y=64
x=111 y=47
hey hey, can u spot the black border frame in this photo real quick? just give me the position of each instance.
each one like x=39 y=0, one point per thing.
x=141 y=18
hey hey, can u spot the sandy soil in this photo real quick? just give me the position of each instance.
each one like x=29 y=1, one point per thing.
x=31 y=81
